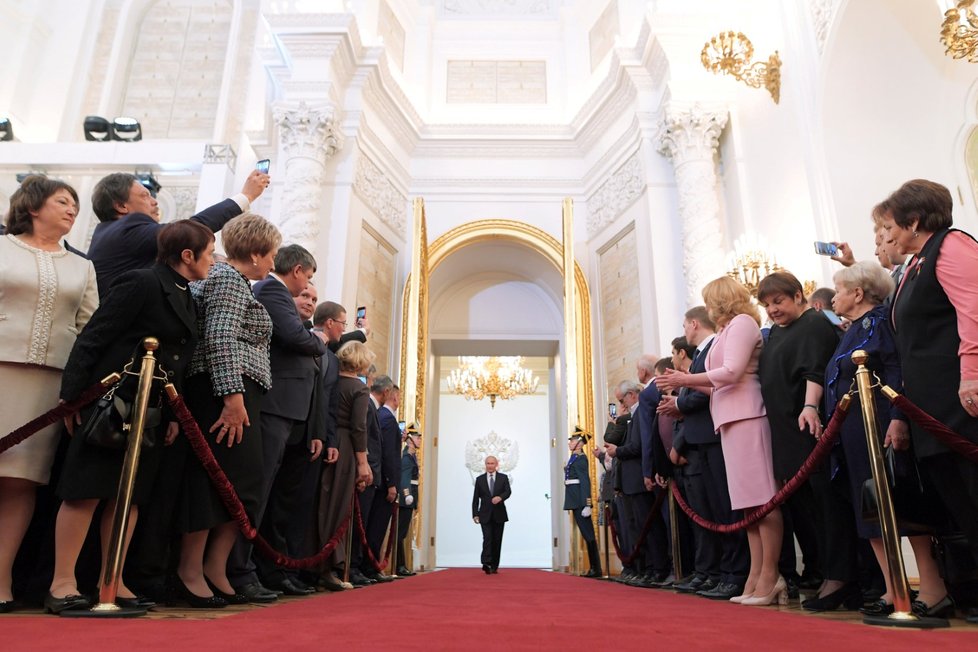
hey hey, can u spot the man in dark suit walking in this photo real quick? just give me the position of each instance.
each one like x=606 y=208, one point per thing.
x=293 y=354
x=489 y=511
x=129 y=221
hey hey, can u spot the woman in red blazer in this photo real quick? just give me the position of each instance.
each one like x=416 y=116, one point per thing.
x=738 y=413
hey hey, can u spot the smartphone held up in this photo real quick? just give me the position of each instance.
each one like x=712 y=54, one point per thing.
x=263 y=165
x=826 y=248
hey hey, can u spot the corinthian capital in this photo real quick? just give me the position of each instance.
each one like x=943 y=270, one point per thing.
x=308 y=131
x=691 y=133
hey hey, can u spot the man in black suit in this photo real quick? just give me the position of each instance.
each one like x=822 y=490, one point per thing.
x=722 y=558
x=293 y=354
x=651 y=564
x=129 y=221
x=489 y=511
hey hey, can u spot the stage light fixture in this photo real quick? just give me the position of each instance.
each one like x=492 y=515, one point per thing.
x=97 y=128
x=6 y=129
x=148 y=181
x=127 y=129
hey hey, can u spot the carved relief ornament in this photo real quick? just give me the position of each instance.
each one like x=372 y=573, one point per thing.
x=379 y=193
x=691 y=134
x=616 y=194
x=308 y=132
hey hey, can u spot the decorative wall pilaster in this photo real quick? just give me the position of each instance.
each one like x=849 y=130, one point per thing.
x=689 y=138
x=308 y=136
x=615 y=195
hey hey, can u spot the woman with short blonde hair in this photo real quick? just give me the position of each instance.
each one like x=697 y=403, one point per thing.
x=725 y=298
x=249 y=236
x=355 y=357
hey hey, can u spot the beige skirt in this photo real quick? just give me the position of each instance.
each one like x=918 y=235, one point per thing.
x=25 y=393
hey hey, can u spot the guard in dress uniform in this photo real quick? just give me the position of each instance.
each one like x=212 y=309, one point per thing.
x=577 y=497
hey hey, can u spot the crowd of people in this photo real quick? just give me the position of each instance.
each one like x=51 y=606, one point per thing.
x=286 y=395
x=737 y=410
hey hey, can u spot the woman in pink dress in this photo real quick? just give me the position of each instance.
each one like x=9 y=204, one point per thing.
x=738 y=413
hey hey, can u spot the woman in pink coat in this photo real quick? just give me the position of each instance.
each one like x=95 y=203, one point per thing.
x=738 y=413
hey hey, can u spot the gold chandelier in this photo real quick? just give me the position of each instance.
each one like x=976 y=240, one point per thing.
x=749 y=262
x=959 y=31
x=731 y=52
x=496 y=377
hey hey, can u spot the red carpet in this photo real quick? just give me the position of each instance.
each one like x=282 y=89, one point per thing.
x=463 y=609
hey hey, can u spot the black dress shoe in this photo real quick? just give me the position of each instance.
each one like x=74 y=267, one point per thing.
x=53 y=605
x=486 y=569
x=137 y=602
x=257 y=593
x=809 y=581
x=943 y=609
x=848 y=595
x=494 y=570
x=878 y=608
x=359 y=580
x=380 y=578
x=291 y=586
x=658 y=580
x=722 y=591
x=404 y=572
x=792 y=584
x=6 y=606
x=972 y=616
x=593 y=572
x=330 y=582
x=690 y=584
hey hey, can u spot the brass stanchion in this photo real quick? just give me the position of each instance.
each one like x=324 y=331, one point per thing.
x=902 y=615
x=112 y=573
x=677 y=562
x=607 y=542
x=393 y=546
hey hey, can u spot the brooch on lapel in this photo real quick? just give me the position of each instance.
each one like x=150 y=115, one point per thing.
x=916 y=268
x=867 y=322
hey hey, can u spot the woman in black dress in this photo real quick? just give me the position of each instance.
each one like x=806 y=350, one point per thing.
x=226 y=380
x=792 y=372
x=152 y=302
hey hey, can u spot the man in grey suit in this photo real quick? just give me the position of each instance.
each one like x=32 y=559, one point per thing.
x=489 y=511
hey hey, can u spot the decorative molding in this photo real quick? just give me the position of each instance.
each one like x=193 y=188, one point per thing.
x=220 y=154
x=480 y=8
x=506 y=451
x=616 y=194
x=822 y=12
x=309 y=132
x=379 y=193
x=184 y=200
x=689 y=138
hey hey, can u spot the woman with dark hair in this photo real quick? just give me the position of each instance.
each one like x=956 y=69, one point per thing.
x=792 y=371
x=152 y=302
x=228 y=376
x=935 y=318
x=47 y=295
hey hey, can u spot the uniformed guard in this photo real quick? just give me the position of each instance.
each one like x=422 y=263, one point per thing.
x=577 y=496
x=408 y=493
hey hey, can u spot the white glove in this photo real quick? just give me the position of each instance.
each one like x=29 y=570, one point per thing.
x=409 y=500
x=586 y=512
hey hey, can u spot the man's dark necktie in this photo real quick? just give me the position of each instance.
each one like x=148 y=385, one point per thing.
x=492 y=483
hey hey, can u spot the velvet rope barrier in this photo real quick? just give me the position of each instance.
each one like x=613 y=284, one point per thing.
x=646 y=528
x=58 y=413
x=230 y=498
x=945 y=435
x=377 y=565
x=815 y=458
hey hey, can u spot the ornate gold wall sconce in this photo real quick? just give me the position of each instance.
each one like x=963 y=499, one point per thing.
x=749 y=262
x=959 y=31
x=731 y=53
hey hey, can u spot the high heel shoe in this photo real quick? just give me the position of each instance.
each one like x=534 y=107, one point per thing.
x=779 y=593
x=740 y=598
x=230 y=598
x=943 y=609
x=848 y=595
x=197 y=601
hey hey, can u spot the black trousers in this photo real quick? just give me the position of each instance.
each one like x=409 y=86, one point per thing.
x=492 y=542
x=377 y=525
x=276 y=432
x=404 y=515
x=584 y=524
x=956 y=481
x=654 y=555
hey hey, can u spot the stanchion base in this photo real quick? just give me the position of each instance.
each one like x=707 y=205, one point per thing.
x=104 y=611
x=913 y=622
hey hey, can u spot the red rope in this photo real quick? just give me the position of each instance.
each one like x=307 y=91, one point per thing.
x=815 y=458
x=378 y=565
x=646 y=528
x=54 y=415
x=945 y=435
x=233 y=504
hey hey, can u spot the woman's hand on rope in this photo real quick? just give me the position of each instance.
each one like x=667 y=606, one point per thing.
x=808 y=420
x=71 y=420
x=968 y=393
x=897 y=435
x=172 y=430
x=233 y=419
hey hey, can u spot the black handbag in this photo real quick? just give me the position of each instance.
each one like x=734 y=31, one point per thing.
x=108 y=424
x=910 y=501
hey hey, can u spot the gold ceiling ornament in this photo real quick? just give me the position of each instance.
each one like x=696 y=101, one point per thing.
x=731 y=53
x=959 y=31
x=749 y=262
x=496 y=377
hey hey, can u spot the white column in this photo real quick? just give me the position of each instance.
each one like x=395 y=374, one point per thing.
x=216 y=176
x=308 y=136
x=689 y=138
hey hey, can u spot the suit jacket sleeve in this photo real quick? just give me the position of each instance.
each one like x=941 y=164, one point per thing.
x=505 y=492
x=352 y=336
x=216 y=216
x=332 y=407
x=632 y=446
x=406 y=468
x=475 y=498
x=287 y=330
x=106 y=326
x=391 y=437
x=649 y=424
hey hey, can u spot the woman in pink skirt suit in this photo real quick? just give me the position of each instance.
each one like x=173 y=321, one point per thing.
x=738 y=413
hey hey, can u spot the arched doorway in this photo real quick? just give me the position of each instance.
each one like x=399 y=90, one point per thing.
x=529 y=244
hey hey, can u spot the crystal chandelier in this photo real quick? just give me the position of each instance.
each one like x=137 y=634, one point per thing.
x=496 y=377
x=749 y=262
x=959 y=31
